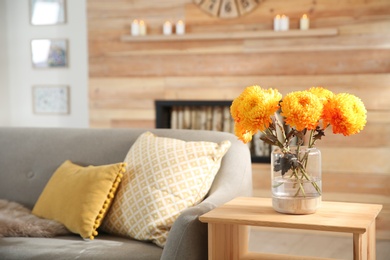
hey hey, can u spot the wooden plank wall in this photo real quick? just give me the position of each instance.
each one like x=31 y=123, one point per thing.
x=126 y=77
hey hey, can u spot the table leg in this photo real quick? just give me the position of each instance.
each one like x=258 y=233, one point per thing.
x=371 y=243
x=227 y=242
x=360 y=246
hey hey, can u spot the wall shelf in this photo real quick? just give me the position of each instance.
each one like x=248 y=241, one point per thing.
x=232 y=35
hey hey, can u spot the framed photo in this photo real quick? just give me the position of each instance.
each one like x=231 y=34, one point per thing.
x=49 y=53
x=47 y=12
x=51 y=99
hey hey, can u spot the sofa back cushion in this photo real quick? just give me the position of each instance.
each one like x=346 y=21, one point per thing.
x=29 y=156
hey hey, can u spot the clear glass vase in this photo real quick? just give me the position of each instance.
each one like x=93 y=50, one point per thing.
x=296 y=180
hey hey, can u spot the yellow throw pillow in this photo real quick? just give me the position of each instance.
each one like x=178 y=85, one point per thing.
x=164 y=177
x=79 y=197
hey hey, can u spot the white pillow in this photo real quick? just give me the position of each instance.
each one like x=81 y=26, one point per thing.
x=164 y=177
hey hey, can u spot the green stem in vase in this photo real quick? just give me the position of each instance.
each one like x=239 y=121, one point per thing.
x=304 y=174
x=301 y=188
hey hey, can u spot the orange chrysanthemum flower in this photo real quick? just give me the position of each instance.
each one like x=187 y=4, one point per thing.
x=243 y=134
x=302 y=109
x=323 y=94
x=252 y=110
x=346 y=114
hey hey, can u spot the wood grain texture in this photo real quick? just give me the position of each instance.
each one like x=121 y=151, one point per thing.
x=289 y=63
x=341 y=186
x=308 y=243
x=125 y=78
x=351 y=217
x=233 y=246
x=245 y=35
x=356 y=218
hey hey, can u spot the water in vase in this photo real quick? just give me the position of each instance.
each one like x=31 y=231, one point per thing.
x=287 y=195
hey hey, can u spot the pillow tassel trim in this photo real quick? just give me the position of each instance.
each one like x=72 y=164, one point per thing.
x=108 y=201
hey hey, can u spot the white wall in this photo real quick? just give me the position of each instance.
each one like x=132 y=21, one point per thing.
x=22 y=76
x=4 y=93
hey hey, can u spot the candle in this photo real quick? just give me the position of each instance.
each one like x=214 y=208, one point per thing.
x=277 y=23
x=135 y=28
x=167 y=28
x=142 y=28
x=180 y=27
x=284 y=23
x=304 y=22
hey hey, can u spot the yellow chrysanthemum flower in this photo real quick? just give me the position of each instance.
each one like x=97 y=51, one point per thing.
x=323 y=94
x=302 y=109
x=252 y=110
x=346 y=114
x=255 y=109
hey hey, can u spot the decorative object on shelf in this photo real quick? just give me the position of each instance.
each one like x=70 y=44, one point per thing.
x=284 y=23
x=48 y=99
x=135 y=28
x=167 y=28
x=281 y=23
x=49 y=53
x=227 y=8
x=295 y=164
x=304 y=22
x=180 y=27
x=142 y=27
x=47 y=12
x=277 y=22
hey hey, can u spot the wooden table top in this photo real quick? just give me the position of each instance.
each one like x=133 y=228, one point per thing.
x=331 y=216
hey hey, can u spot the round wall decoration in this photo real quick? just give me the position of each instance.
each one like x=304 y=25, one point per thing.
x=227 y=8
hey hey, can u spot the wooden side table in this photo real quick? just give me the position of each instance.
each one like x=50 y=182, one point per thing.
x=228 y=226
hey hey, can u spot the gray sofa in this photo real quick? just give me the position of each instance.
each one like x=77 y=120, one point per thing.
x=28 y=157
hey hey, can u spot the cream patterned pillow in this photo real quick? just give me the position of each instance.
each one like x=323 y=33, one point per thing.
x=164 y=177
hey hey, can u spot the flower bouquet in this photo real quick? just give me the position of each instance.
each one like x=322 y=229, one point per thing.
x=293 y=124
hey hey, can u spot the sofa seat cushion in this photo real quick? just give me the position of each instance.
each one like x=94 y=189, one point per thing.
x=79 y=197
x=72 y=247
x=164 y=177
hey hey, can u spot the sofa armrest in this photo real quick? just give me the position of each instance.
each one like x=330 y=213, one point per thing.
x=188 y=237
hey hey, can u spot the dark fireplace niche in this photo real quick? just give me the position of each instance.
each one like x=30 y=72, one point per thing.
x=205 y=115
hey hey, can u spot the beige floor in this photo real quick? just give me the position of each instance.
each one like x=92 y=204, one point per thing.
x=317 y=244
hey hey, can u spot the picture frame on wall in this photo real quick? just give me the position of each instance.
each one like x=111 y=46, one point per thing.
x=51 y=99
x=49 y=53
x=47 y=12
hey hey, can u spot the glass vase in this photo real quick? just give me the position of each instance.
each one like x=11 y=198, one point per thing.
x=296 y=180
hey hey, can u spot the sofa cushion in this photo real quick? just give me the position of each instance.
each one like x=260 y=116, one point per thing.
x=103 y=247
x=164 y=176
x=79 y=197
